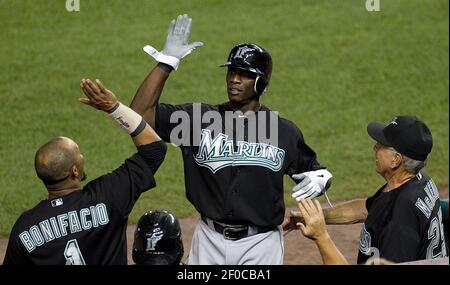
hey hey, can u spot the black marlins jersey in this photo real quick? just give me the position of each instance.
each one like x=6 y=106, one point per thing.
x=84 y=227
x=230 y=175
x=404 y=224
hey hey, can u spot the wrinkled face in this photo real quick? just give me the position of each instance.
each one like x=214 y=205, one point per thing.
x=386 y=159
x=240 y=85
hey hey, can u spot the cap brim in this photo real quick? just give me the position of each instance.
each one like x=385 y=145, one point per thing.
x=242 y=67
x=375 y=130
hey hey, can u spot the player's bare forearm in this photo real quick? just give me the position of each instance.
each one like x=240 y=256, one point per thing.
x=147 y=96
x=329 y=252
x=350 y=212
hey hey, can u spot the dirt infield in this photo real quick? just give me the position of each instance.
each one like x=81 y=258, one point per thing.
x=298 y=249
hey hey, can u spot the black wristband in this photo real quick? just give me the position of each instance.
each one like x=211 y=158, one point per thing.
x=167 y=68
x=139 y=129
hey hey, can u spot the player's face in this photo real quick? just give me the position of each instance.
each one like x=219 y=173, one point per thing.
x=240 y=85
x=384 y=159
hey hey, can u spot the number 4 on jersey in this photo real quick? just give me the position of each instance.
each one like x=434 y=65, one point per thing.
x=73 y=254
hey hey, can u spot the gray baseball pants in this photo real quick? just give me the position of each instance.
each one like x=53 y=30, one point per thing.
x=209 y=247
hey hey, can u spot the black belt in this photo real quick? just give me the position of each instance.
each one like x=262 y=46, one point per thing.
x=235 y=232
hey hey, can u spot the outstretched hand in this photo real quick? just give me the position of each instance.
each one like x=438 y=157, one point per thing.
x=177 y=44
x=97 y=96
x=311 y=184
x=313 y=226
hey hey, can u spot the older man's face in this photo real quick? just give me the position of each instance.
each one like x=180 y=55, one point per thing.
x=384 y=158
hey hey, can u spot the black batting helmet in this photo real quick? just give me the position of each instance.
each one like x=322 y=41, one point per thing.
x=255 y=59
x=157 y=239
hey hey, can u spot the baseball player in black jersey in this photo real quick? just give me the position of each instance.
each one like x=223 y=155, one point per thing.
x=233 y=176
x=76 y=225
x=403 y=220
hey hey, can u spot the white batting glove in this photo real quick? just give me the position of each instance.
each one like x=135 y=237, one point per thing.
x=176 y=46
x=312 y=184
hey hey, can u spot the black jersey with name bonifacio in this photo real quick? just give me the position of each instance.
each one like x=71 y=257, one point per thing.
x=88 y=226
x=404 y=224
x=231 y=174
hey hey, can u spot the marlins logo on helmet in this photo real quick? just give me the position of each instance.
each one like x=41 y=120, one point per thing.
x=157 y=239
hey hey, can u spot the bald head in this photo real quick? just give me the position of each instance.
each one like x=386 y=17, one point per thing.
x=55 y=159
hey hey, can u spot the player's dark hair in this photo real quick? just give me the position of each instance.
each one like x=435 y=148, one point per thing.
x=53 y=161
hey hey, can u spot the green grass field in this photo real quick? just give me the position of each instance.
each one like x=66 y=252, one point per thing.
x=336 y=68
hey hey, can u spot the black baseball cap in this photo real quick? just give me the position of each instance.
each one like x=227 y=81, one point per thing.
x=407 y=134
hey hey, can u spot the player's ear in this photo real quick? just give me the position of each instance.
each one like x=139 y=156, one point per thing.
x=74 y=171
x=397 y=160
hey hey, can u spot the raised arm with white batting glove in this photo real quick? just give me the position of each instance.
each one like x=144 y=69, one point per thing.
x=177 y=45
